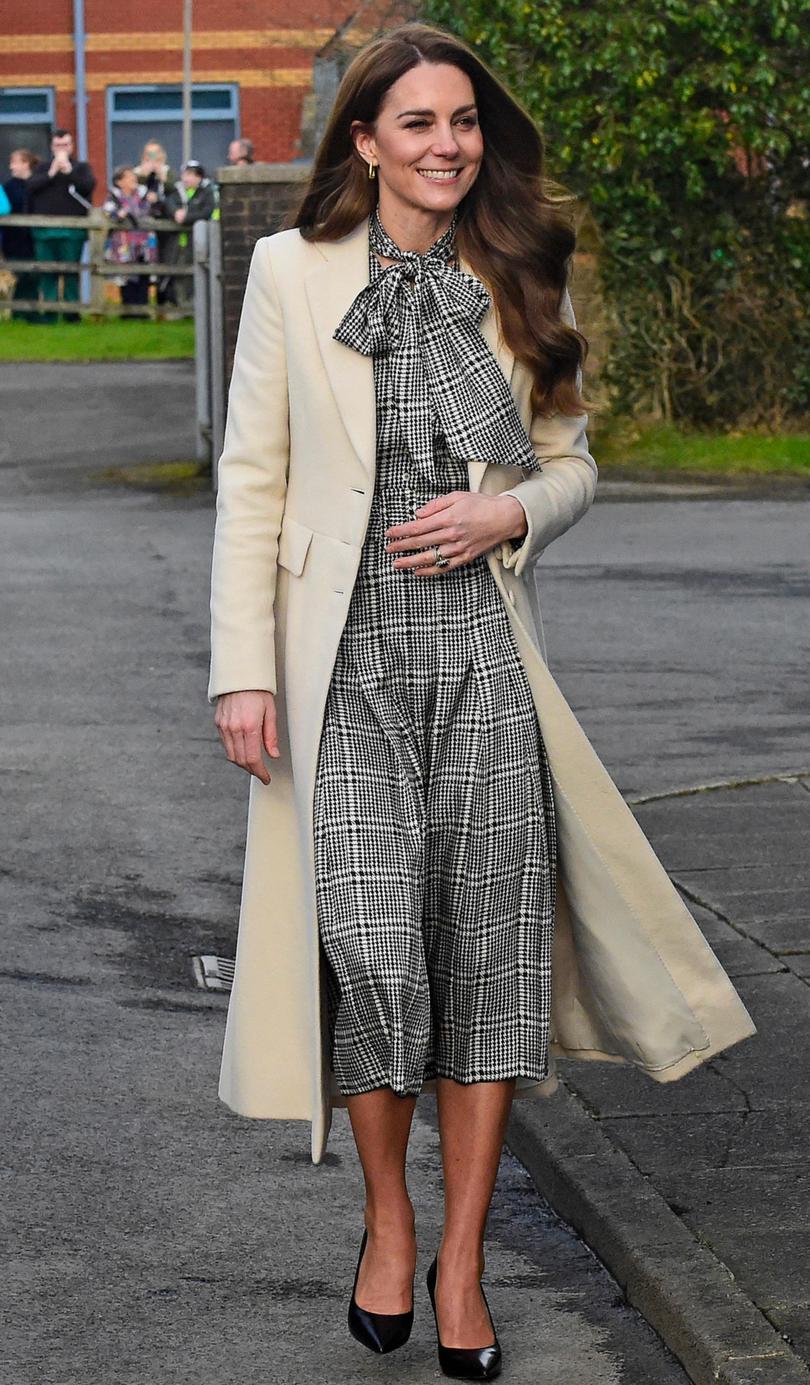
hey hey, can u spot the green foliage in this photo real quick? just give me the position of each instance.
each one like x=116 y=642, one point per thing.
x=683 y=125
x=656 y=451
x=109 y=340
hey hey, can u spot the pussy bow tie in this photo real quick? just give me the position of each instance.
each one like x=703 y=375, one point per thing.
x=426 y=315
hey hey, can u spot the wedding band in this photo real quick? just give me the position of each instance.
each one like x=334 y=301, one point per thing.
x=439 y=558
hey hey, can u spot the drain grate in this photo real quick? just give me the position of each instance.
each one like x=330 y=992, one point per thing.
x=213 y=973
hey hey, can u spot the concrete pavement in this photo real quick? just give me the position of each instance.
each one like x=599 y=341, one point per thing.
x=59 y=421
x=680 y=632
x=726 y=1148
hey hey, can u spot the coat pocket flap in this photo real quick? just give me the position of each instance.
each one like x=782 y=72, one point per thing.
x=293 y=545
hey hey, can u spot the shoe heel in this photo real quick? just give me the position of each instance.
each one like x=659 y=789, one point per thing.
x=380 y=1332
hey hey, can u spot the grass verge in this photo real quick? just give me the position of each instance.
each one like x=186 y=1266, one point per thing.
x=173 y=478
x=110 y=340
x=659 y=451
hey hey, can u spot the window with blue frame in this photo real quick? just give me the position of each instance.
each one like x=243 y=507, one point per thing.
x=26 y=121
x=138 y=114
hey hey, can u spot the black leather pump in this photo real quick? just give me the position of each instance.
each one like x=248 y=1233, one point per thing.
x=380 y=1332
x=465 y=1363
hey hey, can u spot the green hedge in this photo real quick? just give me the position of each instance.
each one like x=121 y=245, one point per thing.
x=683 y=125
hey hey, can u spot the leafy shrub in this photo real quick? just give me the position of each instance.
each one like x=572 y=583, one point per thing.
x=683 y=125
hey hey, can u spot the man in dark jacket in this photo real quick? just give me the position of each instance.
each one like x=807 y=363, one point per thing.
x=194 y=200
x=16 y=240
x=60 y=188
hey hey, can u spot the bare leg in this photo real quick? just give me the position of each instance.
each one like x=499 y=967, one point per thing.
x=381 y=1123
x=472 y=1125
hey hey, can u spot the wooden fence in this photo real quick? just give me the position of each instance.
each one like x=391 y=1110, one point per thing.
x=98 y=227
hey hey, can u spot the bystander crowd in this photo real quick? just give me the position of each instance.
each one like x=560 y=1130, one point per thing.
x=17 y=242
x=58 y=188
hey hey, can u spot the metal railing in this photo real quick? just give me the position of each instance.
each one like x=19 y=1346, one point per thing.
x=209 y=340
x=98 y=227
x=209 y=335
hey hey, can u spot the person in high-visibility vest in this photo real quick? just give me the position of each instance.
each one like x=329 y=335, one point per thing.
x=195 y=198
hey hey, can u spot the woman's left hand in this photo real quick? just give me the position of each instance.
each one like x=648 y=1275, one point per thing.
x=461 y=524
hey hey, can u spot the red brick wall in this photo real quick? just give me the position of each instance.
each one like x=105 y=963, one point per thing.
x=265 y=46
x=254 y=202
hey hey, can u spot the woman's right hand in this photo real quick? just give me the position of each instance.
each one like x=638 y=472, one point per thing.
x=246 y=722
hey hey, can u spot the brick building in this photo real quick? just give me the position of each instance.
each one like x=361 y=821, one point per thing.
x=252 y=73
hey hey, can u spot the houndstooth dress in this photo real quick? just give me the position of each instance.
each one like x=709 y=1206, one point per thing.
x=433 y=810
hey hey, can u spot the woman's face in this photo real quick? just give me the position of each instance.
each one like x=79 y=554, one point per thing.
x=426 y=140
x=20 y=167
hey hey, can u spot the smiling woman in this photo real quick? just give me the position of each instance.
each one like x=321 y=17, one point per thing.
x=406 y=435
x=510 y=231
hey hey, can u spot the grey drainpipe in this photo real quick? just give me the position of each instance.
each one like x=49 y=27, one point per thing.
x=81 y=116
x=81 y=82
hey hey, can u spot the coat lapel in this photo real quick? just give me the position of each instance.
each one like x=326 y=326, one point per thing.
x=331 y=289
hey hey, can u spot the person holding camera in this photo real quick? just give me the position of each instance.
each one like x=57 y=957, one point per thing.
x=155 y=174
x=60 y=188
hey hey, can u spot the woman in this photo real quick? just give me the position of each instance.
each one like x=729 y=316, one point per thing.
x=154 y=173
x=17 y=242
x=405 y=436
x=127 y=204
x=160 y=182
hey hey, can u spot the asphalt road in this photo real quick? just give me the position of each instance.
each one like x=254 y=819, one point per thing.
x=679 y=633
x=152 y=1235
x=59 y=421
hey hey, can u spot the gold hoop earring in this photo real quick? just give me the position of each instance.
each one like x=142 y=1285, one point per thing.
x=372 y=170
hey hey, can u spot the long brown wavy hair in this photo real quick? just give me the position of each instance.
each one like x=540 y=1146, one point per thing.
x=513 y=235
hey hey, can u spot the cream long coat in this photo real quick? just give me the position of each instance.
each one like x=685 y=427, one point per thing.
x=633 y=978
